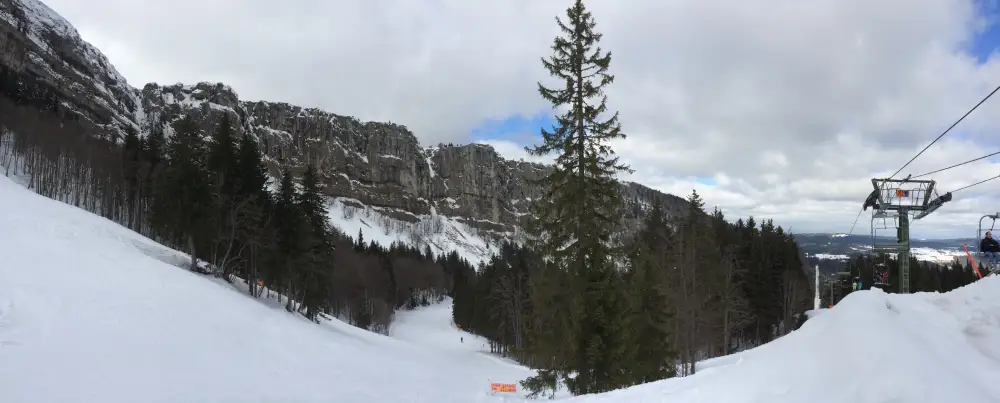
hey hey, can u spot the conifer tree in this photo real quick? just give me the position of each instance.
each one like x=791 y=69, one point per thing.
x=577 y=221
x=131 y=170
x=222 y=164
x=255 y=230
x=222 y=160
x=289 y=236
x=317 y=242
x=653 y=355
x=184 y=197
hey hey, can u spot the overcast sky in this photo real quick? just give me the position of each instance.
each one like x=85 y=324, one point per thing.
x=782 y=109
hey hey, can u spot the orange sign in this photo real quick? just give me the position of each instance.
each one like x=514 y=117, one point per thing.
x=503 y=387
x=902 y=193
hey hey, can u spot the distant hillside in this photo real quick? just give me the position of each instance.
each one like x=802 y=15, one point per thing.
x=829 y=249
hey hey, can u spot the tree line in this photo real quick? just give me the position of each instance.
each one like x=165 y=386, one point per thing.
x=924 y=276
x=595 y=308
x=692 y=287
x=210 y=195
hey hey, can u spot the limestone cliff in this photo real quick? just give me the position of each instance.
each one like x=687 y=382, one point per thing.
x=366 y=165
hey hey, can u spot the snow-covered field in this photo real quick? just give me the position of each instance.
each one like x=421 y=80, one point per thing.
x=921 y=253
x=93 y=312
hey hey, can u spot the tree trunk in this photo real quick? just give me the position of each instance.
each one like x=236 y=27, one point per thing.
x=194 y=256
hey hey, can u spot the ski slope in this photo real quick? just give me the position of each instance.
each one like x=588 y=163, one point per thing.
x=93 y=312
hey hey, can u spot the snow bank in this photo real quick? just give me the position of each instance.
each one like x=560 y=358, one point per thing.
x=871 y=347
x=93 y=312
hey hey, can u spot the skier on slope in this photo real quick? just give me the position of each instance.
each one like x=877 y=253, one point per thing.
x=990 y=248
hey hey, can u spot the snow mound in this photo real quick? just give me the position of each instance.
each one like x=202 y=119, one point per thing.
x=93 y=312
x=870 y=348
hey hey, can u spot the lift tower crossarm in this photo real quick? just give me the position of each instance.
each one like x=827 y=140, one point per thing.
x=889 y=196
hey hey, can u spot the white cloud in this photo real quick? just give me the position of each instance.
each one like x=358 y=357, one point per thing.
x=791 y=106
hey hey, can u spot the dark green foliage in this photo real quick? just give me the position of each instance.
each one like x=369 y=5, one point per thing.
x=183 y=198
x=651 y=317
x=576 y=224
x=316 y=243
x=223 y=162
x=678 y=301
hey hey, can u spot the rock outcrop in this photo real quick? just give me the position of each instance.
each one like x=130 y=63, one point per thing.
x=37 y=44
x=375 y=164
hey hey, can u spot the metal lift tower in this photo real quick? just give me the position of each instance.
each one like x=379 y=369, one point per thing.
x=896 y=200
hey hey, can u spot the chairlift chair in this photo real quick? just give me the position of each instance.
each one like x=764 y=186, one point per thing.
x=881 y=276
x=980 y=233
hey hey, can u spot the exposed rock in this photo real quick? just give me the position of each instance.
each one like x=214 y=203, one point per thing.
x=377 y=164
x=37 y=43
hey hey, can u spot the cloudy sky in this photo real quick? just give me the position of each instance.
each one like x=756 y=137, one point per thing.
x=782 y=109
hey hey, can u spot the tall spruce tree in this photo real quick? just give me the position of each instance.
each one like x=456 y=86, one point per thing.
x=576 y=225
x=184 y=196
x=317 y=242
x=255 y=230
x=289 y=236
x=652 y=318
x=222 y=164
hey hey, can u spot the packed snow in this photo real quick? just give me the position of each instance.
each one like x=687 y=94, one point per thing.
x=93 y=312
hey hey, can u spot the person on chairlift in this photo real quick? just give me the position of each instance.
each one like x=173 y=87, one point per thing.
x=990 y=248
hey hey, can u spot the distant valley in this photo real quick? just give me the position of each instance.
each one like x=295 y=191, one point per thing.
x=830 y=250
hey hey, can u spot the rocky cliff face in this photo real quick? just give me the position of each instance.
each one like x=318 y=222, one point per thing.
x=37 y=44
x=364 y=164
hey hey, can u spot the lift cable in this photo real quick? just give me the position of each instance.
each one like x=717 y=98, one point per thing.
x=956 y=165
x=974 y=184
x=843 y=245
x=947 y=130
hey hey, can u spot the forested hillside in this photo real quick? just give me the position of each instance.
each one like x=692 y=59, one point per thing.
x=209 y=194
x=692 y=289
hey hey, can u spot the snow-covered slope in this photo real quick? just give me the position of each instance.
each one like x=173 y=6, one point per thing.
x=870 y=348
x=442 y=234
x=93 y=312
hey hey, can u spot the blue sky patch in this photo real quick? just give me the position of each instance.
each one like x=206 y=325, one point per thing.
x=987 y=41
x=707 y=181
x=520 y=129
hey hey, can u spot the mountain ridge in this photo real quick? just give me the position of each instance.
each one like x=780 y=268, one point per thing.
x=368 y=165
